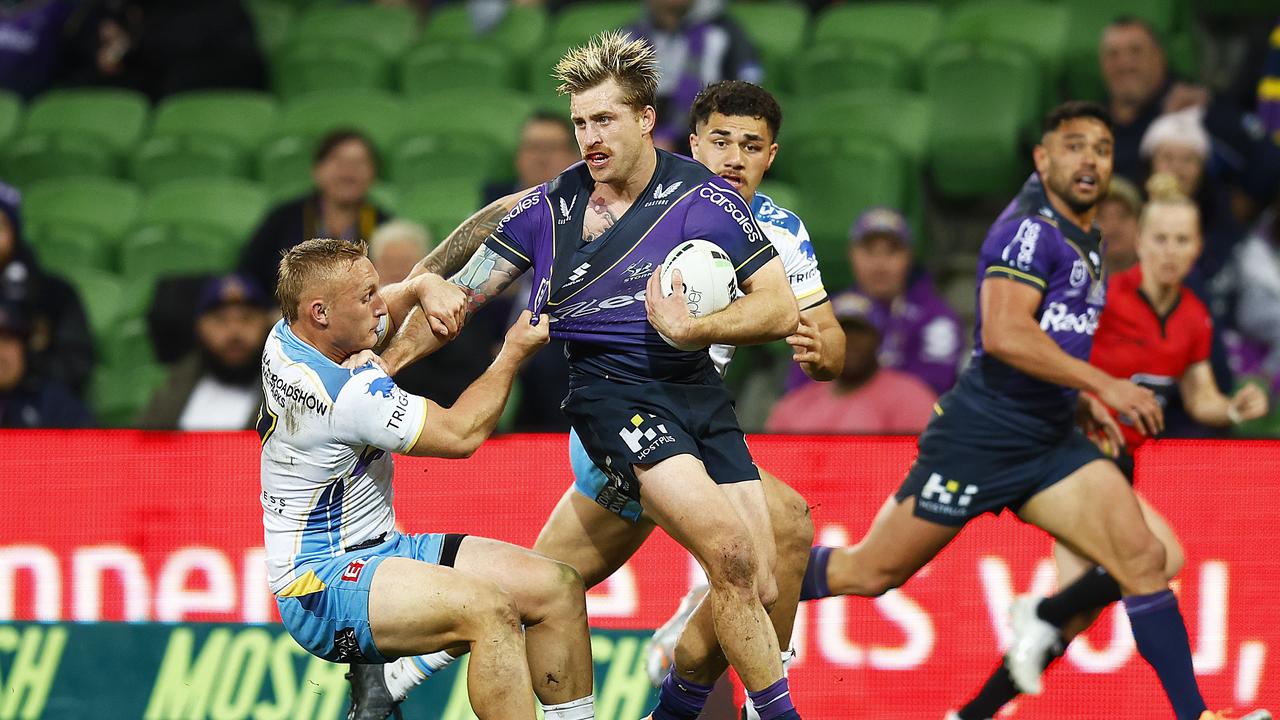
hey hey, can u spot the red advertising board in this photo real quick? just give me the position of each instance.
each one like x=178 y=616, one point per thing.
x=110 y=526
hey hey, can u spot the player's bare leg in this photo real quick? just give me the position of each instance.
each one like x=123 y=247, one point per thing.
x=550 y=600
x=416 y=608
x=1094 y=512
x=698 y=653
x=683 y=500
x=897 y=545
x=589 y=538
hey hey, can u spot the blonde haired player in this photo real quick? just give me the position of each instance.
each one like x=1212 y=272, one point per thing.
x=351 y=587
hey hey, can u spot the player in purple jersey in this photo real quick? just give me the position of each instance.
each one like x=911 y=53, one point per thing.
x=658 y=421
x=1005 y=437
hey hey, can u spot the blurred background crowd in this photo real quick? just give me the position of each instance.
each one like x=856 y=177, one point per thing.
x=157 y=157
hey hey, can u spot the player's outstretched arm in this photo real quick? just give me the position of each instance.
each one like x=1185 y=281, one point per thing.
x=457 y=431
x=1010 y=333
x=1206 y=404
x=766 y=313
x=818 y=342
x=443 y=304
x=449 y=256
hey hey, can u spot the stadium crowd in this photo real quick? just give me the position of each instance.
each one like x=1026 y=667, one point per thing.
x=140 y=229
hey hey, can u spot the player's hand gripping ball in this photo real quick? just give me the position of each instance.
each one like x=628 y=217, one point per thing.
x=710 y=283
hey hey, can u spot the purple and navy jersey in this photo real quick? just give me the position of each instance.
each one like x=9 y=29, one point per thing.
x=1033 y=244
x=594 y=292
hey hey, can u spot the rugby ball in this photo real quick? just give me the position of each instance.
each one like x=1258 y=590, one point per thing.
x=710 y=283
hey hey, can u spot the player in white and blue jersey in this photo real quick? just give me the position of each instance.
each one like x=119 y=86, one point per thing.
x=350 y=586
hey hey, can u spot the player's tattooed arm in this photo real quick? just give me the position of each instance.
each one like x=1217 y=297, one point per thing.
x=449 y=256
x=484 y=277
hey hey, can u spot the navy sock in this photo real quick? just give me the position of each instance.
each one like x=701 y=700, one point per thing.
x=1095 y=589
x=815 y=575
x=679 y=699
x=1161 y=635
x=774 y=702
x=998 y=691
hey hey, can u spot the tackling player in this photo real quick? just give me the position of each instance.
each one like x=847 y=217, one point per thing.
x=1157 y=333
x=349 y=586
x=1005 y=436
x=658 y=421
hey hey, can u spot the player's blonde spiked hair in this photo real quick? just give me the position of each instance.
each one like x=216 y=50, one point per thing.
x=612 y=55
x=304 y=263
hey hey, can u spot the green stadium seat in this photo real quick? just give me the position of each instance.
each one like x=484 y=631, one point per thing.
x=578 y=22
x=520 y=32
x=106 y=300
x=10 y=115
x=103 y=206
x=1088 y=20
x=897 y=116
x=272 y=22
x=491 y=114
x=284 y=166
x=391 y=29
x=229 y=206
x=375 y=113
x=777 y=28
x=117 y=118
x=842 y=177
x=62 y=247
x=156 y=251
x=464 y=159
x=242 y=118
x=128 y=345
x=542 y=86
x=433 y=68
x=1037 y=28
x=835 y=68
x=980 y=109
x=441 y=205
x=118 y=394
x=31 y=158
x=910 y=27
x=311 y=64
x=174 y=157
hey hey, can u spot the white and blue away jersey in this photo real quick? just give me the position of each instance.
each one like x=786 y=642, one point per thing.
x=327 y=433
x=789 y=237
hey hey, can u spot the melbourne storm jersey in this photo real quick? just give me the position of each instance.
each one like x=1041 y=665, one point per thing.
x=1033 y=244
x=594 y=292
x=786 y=231
x=327 y=433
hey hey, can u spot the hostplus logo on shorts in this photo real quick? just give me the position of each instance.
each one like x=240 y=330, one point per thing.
x=946 y=497
x=645 y=436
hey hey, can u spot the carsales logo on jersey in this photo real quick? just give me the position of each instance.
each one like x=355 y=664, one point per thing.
x=722 y=200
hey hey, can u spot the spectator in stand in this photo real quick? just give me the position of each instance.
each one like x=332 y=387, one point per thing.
x=30 y=44
x=921 y=334
x=697 y=44
x=865 y=398
x=547 y=146
x=343 y=169
x=1135 y=70
x=161 y=47
x=395 y=247
x=1118 y=219
x=218 y=386
x=1269 y=88
x=60 y=344
x=26 y=400
x=1258 y=309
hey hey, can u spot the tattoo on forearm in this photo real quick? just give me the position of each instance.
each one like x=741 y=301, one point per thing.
x=484 y=277
x=602 y=225
x=449 y=256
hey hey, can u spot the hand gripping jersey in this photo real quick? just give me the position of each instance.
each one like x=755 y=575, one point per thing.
x=1151 y=350
x=327 y=433
x=594 y=292
x=786 y=231
x=1031 y=243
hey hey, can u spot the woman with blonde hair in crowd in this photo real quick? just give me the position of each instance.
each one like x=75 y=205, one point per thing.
x=1155 y=332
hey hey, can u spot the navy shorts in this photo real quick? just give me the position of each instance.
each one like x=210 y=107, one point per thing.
x=969 y=464
x=622 y=426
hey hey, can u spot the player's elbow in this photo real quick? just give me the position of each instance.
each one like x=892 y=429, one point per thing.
x=997 y=341
x=788 y=320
